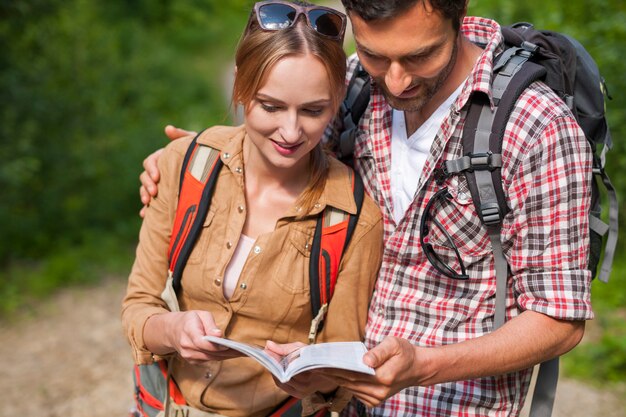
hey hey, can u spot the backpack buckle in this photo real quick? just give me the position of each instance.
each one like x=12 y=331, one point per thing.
x=316 y=322
x=529 y=47
x=490 y=213
x=484 y=161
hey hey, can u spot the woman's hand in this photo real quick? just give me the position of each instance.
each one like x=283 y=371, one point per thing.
x=183 y=332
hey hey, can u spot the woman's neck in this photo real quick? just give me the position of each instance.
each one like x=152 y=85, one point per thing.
x=260 y=173
x=270 y=191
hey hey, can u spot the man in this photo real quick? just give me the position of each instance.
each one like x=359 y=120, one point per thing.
x=431 y=336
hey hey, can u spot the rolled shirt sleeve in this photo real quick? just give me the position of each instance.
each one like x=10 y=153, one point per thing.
x=550 y=195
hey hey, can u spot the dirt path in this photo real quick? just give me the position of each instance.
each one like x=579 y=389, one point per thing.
x=69 y=359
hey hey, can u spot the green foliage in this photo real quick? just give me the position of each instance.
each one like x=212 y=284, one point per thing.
x=27 y=282
x=86 y=88
x=601 y=360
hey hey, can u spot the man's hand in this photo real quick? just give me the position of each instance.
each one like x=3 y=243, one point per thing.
x=396 y=365
x=399 y=364
x=305 y=383
x=150 y=176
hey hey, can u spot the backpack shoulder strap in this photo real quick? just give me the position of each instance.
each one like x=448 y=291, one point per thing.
x=482 y=137
x=199 y=172
x=483 y=134
x=333 y=232
x=602 y=228
x=352 y=109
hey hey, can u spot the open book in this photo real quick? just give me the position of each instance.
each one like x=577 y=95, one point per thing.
x=341 y=355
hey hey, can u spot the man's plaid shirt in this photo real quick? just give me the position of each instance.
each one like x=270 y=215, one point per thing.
x=546 y=178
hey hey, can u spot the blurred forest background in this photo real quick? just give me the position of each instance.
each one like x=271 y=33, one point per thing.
x=87 y=86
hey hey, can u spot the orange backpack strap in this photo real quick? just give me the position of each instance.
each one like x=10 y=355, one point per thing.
x=332 y=236
x=154 y=386
x=198 y=176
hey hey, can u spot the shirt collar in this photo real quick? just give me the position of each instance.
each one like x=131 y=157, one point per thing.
x=485 y=33
x=228 y=140
x=338 y=192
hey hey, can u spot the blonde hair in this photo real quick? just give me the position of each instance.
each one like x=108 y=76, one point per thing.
x=257 y=53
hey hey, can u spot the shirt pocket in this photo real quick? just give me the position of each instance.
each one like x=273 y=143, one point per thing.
x=199 y=251
x=292 y=267
x=462 y=228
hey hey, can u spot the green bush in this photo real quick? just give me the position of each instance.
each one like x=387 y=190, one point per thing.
x=25 y=283
x=87 y=87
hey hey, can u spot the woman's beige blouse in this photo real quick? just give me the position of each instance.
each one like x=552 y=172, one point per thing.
x=271 y=300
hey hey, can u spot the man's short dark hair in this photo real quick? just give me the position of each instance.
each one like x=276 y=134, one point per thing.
x=370 y=10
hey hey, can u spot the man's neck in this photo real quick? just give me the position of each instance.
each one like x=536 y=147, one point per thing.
x=468 y=54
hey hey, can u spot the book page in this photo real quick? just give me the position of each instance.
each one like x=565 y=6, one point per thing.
x=339 y=355
x=255 y=352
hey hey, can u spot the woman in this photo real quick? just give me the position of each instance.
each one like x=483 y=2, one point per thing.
x=247 y=277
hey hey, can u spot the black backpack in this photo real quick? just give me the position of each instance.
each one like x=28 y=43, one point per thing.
x=565 y=66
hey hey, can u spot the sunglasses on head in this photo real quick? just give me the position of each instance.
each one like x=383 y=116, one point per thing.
x=278 y=15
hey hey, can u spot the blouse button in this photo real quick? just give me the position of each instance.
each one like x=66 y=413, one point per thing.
x=229 y=244
x=240 y=209
x=257 y=249
x=318 y=205
x=243 y=286
x=226 y=155
x=238 y=170
x=217 y=282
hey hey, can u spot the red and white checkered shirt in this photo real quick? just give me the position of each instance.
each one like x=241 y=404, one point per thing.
x=546 y=176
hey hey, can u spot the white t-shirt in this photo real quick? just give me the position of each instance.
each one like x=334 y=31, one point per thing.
x=408 y=155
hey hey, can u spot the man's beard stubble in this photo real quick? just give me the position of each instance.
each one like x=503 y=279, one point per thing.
x=431 y=85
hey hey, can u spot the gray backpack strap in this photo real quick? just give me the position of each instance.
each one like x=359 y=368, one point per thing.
x=545 y=388
x=482 y=136
x=483 y=178
x=167 y=404
x=352 y=108
x=602 y=228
